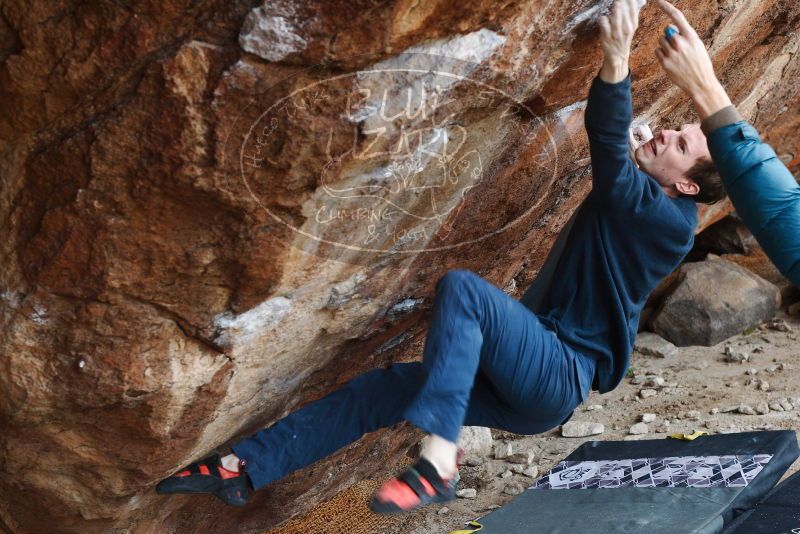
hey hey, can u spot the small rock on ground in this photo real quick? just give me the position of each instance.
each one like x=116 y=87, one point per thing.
x=525 y=457
x=735 y=356
x=581 y=429
x=746 y=409
x=651 y=344
x=779 y=325
x=648 y=417
x=514 y=488
x=475 y=440
x=638 y=428
x=467 y=493
x=502 y=450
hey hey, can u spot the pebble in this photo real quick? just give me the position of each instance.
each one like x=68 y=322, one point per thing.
x=654 y=345
x=638 y=428
x=786 y=405
x=730 y=430
x=779 y=325
x=776 y=407
x=648 y=417
x=655 y=382
x=714 y=411
x=593 y=407
x=443 y=510
x=514 y=488
x=647 y=393
x=491 y=470
x=634 y=437
x=764 y=385
x=502 y=450
x=467 y=493
x=476 y=441
x=521 y=457
x=472 y=461
x=735 y=356
x=762 y=408
x=728 y=409
x=746 y=409
x=751 y=371
x=581 y=429
x=693 y=415
x=532 y=471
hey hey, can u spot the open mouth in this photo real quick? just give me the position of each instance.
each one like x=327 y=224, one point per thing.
x=652 y=145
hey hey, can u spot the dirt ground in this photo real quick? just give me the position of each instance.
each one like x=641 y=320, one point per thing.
x=699 y=387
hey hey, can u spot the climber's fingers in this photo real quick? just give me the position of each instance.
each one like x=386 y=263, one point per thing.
x=624 y=15
x=674 y=43
x=616 y=16
x=661 y=56
x=605 y=27
x=665 y=46
x=677 y=17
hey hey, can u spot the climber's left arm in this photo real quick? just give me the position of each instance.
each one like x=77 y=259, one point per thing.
x=763 y=191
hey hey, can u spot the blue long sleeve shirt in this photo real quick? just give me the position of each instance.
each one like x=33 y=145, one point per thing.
x=625 y=238
x=761 y=188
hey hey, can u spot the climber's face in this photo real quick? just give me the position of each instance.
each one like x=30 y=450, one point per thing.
x=670 y=154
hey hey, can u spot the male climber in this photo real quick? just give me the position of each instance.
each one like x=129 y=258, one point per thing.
x=489 y=360
x=763 y=191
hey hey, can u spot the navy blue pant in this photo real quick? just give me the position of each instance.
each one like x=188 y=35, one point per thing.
x=488 y=361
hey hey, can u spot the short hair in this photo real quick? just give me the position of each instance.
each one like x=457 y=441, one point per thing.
x=705 y=175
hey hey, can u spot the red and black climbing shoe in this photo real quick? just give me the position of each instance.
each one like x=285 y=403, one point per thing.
x=208 y=476
x=417 y=486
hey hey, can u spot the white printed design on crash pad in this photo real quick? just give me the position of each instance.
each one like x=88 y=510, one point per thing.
x=670 y=472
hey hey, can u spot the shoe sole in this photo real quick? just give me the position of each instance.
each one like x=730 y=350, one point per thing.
x=232 y=496
x=388 y=508
x=188 y=485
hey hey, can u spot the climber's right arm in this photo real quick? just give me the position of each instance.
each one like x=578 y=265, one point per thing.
x=609 y=109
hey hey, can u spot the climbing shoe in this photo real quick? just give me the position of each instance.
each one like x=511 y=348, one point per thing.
x=417 y=486
x=208 y=476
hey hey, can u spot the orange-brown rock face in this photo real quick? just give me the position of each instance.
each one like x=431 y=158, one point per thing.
x=214 y=212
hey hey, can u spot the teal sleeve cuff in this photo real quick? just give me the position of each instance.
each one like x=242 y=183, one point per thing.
x=725 y=116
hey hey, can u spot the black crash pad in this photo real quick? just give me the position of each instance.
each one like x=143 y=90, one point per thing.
x=778 y=513
x=660 y=486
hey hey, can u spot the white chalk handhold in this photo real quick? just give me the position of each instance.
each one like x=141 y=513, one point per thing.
x=637 y=136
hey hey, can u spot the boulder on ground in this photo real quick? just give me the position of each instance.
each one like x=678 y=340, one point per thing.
x=714 y=300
